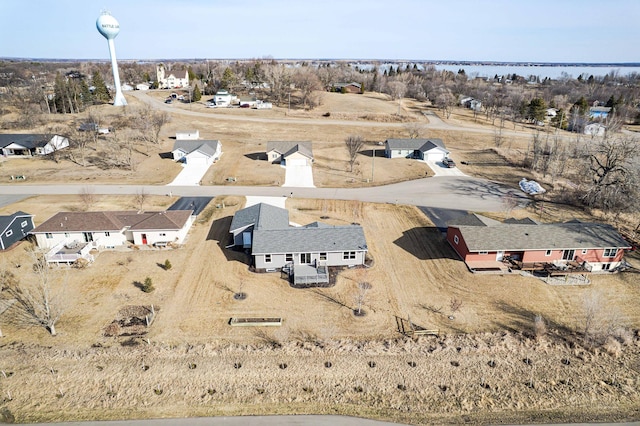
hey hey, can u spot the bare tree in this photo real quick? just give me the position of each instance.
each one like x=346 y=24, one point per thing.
x=354 y=144
x=361 y=296
x=539 y=327
x=37 y=302
x=455 y=304
x=414 y=130
x=140 y=197
x=88 y=197
x=78 y=143
x=613 y=173
x=307 y=83
x=397 y=90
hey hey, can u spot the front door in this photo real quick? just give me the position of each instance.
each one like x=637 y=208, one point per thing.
x=88 y=237
x=144 y=238
x=568 y=254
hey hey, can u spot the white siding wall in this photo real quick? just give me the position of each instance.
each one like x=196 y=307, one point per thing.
x=333 y=259
x=114 y=239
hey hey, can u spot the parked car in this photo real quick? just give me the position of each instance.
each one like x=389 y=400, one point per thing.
x=448 y=162
x=168 y=101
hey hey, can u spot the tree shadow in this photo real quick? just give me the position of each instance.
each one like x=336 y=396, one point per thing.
x=328 y=298
x=425 y=243
x=520 y=320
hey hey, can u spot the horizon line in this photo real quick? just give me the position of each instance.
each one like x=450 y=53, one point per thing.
x=425 y=61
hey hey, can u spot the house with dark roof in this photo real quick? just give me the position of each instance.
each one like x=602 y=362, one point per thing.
x=14 y=228
x=27 y=145
x=306 y=252
x=203 y=152
x=421 y=149
x=69 y=234
x=526 y=244
x=352 y=87
x=290 y=152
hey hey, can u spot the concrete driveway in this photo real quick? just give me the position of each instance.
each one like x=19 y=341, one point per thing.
x=190 y=175
x=441 y=170
x=299 y=177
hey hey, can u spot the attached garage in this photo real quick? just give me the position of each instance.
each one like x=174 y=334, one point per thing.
x=296 y=162
x=197 y=158
x=435 y=154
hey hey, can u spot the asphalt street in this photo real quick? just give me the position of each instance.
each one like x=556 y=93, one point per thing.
x=445 y=192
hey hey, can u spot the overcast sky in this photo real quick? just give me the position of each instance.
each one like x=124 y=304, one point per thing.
x=492 y=30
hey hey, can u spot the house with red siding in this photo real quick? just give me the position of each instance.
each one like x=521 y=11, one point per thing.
x=488 y=245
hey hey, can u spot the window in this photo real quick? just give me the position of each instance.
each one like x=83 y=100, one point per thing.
x=483 y=252
x=267 y=258
x=456 y=239
x=8 y=233
x=107 y=234
x=288 y=257
x=48 y=235
x=584 y=251
x=24 y=223
x=323 y=256
x=305 y=258
x=610 y=252
x=547 y=253
x=347 y=255
x=606 y=266
x=163 y=234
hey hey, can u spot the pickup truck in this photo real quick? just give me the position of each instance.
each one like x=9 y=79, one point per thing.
x=448 y=162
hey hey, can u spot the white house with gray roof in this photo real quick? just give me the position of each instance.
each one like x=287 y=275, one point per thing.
x=290 y=152
x=422 y=149
x=274 y=245
x=203 y=152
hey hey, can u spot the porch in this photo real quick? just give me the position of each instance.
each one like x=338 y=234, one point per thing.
x=69 y=252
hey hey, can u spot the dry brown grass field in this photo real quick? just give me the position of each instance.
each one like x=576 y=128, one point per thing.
x=183 y=364
x=83 y=374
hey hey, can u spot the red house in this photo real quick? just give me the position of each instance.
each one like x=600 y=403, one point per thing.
x=488 y=245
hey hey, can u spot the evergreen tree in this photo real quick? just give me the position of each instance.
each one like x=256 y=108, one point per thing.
x=196 y=94
x=560 y=120
x=228 y=79
x=59 y=94
x=192 y=75
x=581 y=106
x=536 y=110
x=100 y=91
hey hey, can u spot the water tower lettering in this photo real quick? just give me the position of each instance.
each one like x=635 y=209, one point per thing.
x=110 y=26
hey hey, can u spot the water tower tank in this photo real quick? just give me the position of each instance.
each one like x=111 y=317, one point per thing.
x=108 y=26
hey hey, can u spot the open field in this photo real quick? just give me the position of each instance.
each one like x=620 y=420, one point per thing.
x=81 y=373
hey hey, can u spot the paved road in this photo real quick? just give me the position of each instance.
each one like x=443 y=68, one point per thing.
x=453 y=192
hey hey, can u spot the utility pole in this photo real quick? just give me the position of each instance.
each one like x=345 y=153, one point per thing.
x=373 y=162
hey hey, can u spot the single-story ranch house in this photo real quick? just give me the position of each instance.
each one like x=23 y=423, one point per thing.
x=29 y=144
x=305 y=252
x=70 y=235
x=196 y=151
x=346 y=87
x=14 y=227
x=289 y=152
x=488 y=245
x=422 y=149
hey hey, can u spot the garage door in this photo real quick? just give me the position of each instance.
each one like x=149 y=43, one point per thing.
x=196 y=161
x=435 y=156
x=296 y=162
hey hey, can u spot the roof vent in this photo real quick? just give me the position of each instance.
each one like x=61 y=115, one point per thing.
x=61 y=225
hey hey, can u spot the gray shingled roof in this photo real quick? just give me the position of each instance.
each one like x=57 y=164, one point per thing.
x=523 y=221
x=416 y=144
x=286 y=148
x=557 y=236
x=29 y=141
x=473 y=219
x=306 y=240
x=188 y=146
x=262 y=216
x=5 y=221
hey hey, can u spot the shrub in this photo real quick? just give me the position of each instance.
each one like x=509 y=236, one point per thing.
x=167 y=265
x=147 y=286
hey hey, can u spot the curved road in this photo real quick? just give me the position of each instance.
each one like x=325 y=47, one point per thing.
x=453 y=192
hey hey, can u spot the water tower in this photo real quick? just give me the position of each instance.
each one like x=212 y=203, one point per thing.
x=108 y=26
